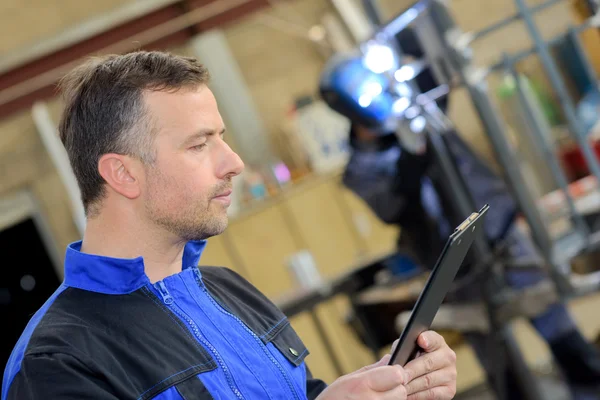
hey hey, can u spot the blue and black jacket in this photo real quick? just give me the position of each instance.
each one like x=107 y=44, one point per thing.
x=204 y=333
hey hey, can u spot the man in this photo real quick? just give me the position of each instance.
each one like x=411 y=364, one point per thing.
x=135 y=317
x=404 y=188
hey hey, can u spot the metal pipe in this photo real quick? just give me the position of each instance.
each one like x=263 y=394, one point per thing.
x=48 y=132
x=521 y=55
x=547 y=149
x=498 y=137
x=528 y=386
x=403 y=20
x=157 y=32
x=496 y=132
x=561 y=90
x=515 y=17
x=454 y=189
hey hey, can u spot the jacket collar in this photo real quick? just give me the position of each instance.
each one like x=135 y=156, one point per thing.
x=110 y=275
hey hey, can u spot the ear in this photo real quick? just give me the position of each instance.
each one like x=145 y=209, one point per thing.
x=120 y=173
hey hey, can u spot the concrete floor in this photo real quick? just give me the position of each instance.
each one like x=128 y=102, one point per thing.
x=585 y=312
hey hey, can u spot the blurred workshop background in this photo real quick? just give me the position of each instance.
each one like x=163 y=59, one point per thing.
x=296 y=232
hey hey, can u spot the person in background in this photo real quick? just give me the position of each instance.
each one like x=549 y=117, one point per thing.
x=403 y=188
x=135 y=317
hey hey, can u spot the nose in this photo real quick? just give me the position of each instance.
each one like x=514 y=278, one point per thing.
x=230 y=163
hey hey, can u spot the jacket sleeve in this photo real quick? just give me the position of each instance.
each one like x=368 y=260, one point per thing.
x=57 y=376
x=389 y=196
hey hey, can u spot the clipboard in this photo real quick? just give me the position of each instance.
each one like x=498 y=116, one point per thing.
x=437 y=286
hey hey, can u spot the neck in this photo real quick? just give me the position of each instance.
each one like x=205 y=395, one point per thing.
x=123 y=236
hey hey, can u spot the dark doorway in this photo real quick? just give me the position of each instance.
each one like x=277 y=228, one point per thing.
x=28 y=279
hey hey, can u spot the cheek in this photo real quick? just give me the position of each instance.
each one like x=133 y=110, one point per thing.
x=180 y=183
x=184 y=189
x=164 y=186
x=197 y=181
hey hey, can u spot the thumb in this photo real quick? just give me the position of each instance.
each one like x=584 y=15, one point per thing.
x=384 y=361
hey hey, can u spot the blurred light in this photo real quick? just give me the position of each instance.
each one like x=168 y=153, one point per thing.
x=365 y=100
x=405 y=73
x=401 y=105
x=282 y=173
x=412 y=112
x=410 y=15
x=368 y=92
x=379 y=58
x=402 y=21
x=372 y=88
x=418 y=124
x=403 y=90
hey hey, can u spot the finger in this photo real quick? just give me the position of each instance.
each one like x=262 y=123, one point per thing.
x=397 y=393
x=430 y=341
x=438 y=378
x=429 y=363
x=394 y=345
x=385 y=378
x=384 y=361
x=438 y=393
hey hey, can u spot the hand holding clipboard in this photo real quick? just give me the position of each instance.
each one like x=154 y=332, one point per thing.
x=437 y=286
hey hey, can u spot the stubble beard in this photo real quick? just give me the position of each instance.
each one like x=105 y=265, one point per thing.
x=199 y=221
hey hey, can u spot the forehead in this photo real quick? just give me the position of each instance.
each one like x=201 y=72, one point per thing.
x=184 y=111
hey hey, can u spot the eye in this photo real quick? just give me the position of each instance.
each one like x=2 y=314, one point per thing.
x=199 y=147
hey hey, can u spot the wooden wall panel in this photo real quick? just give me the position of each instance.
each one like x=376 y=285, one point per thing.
x=216 y=254
x=318 y=362
x=264 y=241
x=327 y=234
x=379 y=238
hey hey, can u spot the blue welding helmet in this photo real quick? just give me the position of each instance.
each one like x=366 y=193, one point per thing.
x=356 y=92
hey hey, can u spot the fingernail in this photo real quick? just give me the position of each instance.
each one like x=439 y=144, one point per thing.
x=425 y=341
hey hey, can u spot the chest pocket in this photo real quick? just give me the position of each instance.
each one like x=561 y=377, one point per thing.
x=288 y=349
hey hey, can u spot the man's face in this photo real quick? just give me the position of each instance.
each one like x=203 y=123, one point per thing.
x=188 y=187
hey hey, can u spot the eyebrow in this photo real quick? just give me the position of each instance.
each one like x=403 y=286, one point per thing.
x=200 y=134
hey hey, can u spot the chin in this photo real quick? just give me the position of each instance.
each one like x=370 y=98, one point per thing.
x=216 y=227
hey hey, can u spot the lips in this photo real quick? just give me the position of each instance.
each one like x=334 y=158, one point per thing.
x=225 y=193
x=224 y=197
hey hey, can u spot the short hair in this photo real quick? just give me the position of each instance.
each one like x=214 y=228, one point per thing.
x=104 y=110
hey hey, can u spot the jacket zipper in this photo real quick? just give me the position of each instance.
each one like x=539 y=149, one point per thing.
x=256 y=338
x=169 y=301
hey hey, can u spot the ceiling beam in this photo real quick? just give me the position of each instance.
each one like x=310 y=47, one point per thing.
x=159 y=29
x=81 y=31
